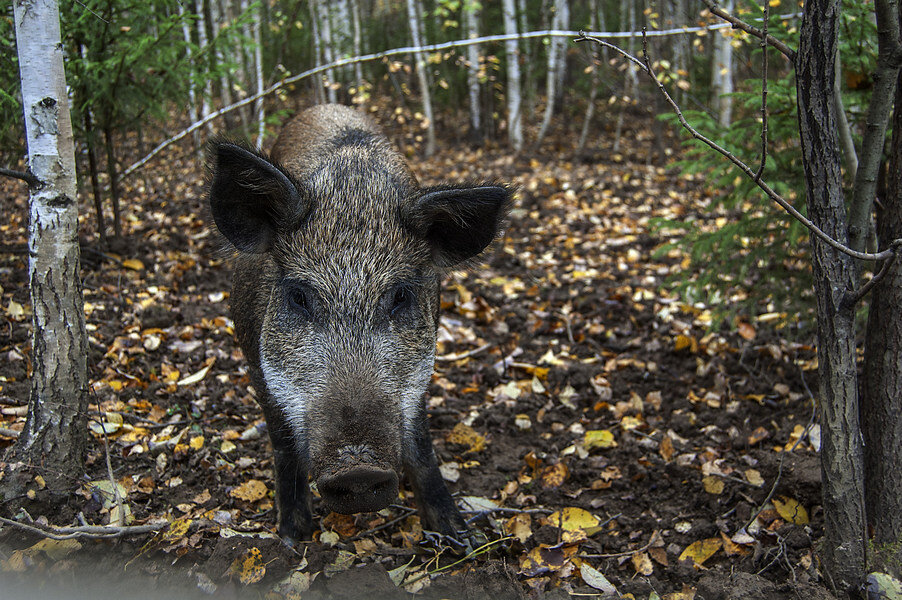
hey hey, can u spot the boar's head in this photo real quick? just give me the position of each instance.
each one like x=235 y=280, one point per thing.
x=340 y=253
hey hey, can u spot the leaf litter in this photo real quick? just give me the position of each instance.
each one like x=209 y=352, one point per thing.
x=593 y=426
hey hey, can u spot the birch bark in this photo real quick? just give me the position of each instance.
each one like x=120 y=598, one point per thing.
x=55 y=430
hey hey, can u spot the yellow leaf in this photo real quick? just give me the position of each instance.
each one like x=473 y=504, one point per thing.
x=465 y=435
x=754 y=477
x=553 y=476
x=599 y=438
x=134 y=264
x=683 y=342
x=746 y=331
x=642 y=564
x=701 y=550
x=55 y=549
x=713 y=484
x=249 y=491
x=197 y=443
x=629 y=423
x=791 y=510
x=519 y=526
x=177 y=529
x=250 y=567
x=573 y=518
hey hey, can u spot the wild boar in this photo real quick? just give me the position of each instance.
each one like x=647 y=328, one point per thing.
x=339 y=255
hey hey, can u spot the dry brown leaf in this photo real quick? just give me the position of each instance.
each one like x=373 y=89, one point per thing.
x=642 y=564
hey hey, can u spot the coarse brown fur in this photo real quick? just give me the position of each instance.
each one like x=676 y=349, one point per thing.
x=335 y=303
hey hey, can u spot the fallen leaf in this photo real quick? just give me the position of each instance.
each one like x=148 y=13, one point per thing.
x=713 y=485
x=56 y=549
x=595 y=579
x=249 y=491
x=555 y=475
x=642 y=563
x=791 y=510
x=134 y=264
x=599 y=438
x=701 y=550
x=195 y=377
x=465 y=435
x=519 y=526
x=250 y=567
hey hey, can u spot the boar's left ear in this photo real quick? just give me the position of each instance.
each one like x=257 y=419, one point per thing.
x=459 y=222
x=252 y=199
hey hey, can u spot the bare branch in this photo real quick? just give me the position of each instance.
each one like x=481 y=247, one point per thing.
x=740 y=24
x=852 y=298
x=760 y=170
x=87 y=531
x=895 y=246
x=26 y=176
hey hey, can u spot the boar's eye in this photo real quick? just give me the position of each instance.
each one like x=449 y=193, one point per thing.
x=301 y=299
x=401 y=300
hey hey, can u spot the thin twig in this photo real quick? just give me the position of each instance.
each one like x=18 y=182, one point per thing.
x=894 y=246
x=385 y=525
x=87 y=531
x=619 y=554
x=462 y=355
x=25 y=176
x=851 y=298
x=760 y=170
x=738 y=24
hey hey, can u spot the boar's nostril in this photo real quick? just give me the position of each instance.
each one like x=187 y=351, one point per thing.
x=358 y=489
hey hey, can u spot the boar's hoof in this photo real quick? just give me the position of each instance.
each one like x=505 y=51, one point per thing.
x=358 y=489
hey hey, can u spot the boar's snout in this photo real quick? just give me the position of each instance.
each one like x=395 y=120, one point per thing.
x=361 y=488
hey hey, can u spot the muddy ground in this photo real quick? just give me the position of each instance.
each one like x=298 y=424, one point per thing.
x=580 y=382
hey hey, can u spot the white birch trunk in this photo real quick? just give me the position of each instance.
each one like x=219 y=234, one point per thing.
x=722 y=73
x=216 y=18
x=55 y=430
x=319 y=90
x=202 y=43
x=258 y=72
x=555 y=45
x=325 y=29
x=417 y=39
x=357 y=47
x=471 y=21
x=514 y=97
x=189 y=55
x=593 y=86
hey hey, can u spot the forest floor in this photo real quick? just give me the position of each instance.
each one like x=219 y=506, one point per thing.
x=595 y=429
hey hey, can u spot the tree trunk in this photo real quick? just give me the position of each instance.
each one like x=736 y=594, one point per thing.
x=225 y=90
x=593 y=86
x=258 y=75
x=471 y=17
x=325 y=29
x=555 y=46
x=722 y=72
x=319 y=90
x=357 y=48
x=415 y=28
x=113 y=175
x=834 y=276
x=881 y=404
x=885 y=75
x=53 y=440
x=514 y=98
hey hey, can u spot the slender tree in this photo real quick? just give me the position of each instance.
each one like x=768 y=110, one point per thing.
x=722 y=72
x=415 y=22
x=53 y=440
x=471 y=22
x=514 y=97
x=555 y=64
x=842 y=455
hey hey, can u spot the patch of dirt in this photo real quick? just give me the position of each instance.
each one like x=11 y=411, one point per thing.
x=582 y=338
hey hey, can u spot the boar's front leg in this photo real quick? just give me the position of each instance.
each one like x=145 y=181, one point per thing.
x=292 y=489
x=437 y=508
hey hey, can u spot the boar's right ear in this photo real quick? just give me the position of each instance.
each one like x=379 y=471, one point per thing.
x=459 y=222
x=252 y=200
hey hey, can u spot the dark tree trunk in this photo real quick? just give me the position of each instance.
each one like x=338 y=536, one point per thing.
x=881 y=404
x=94 y=172
x=114 y=181
x=834 y=277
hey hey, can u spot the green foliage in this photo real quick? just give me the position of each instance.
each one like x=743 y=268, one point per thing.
x=749 y=256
